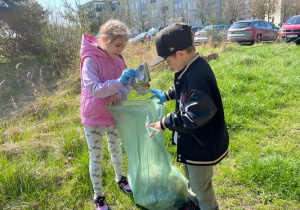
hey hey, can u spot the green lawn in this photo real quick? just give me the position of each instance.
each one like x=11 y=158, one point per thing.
x=260 y=87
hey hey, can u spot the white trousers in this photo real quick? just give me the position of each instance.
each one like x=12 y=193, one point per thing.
x=94 y=136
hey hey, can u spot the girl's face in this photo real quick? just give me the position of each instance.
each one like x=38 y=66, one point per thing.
x=115 y=48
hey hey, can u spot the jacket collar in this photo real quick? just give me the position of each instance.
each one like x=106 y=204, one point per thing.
x=188 y=65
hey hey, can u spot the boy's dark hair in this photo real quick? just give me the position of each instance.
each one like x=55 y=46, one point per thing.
x=188 y=50
x=171 y=39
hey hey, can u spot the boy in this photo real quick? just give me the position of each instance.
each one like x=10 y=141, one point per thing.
x=198 y=125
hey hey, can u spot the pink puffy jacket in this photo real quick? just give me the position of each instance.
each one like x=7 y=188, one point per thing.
x=93 y=111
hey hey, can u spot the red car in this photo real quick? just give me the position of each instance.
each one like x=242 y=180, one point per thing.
x=290 y=31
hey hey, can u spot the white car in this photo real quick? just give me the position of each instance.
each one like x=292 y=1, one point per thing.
x=138 y=38
x=200 y=37
x=203 y=35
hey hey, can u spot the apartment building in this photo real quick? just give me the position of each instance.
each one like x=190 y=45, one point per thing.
x=103 y=10
x=141 y=15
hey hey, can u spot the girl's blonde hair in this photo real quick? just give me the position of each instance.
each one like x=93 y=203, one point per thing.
x=112 y=30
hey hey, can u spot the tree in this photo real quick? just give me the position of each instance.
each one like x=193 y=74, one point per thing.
x=202 y=9
x=22 y=27
x=296 y=7
x=182 y=15
x=64 y=34
x=139 y=19
x=163 y=13
x=122 y=14
x=258 y=8
x=271 y=7
x=286 y=8
x=262 y=8
x=234 y=9
x=87 y=16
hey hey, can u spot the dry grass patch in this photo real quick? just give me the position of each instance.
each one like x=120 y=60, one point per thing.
x=18 y=149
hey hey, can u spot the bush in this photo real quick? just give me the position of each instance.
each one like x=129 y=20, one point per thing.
x=22 y=29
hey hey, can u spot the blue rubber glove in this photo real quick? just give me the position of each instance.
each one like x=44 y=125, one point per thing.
x=158 y=94
x=127 y=75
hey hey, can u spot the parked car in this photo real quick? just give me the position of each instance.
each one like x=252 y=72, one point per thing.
x=151 y=33
x=218 y=31
x=196 y=29
x=290 y=31
x=138 y=38
x=250 y=31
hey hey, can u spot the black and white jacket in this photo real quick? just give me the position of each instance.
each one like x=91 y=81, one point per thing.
x=202 y=136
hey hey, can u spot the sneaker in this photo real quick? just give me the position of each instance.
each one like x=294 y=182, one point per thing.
x=124 y=184
x=191 y=206
x=100 y=203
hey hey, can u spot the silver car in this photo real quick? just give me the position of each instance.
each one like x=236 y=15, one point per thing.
x=250 y=31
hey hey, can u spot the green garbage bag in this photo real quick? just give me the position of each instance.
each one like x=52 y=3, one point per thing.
x=155 y=183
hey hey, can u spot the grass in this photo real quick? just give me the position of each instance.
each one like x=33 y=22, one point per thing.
x=260 y=87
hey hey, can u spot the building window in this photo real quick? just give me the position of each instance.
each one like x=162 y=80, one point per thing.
x=165 y=9
x=99 y=8
x=114 y=6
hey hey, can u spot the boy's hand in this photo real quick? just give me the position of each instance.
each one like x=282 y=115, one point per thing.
x=158 y=94
x=156 y=128
x=113 y=100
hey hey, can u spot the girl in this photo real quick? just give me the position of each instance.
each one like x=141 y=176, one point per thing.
x=104 y=82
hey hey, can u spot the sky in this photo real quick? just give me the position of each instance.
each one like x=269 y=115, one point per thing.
x=59 y=3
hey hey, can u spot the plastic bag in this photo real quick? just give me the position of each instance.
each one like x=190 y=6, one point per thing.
x=155 y=183
x=141 y=82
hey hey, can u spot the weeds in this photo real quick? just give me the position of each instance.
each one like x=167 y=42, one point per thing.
x=44 y=157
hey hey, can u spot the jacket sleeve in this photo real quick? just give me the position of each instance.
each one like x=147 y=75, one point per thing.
x=193 y=114
x=170 y=94
x=91 y=81
x=124 y=92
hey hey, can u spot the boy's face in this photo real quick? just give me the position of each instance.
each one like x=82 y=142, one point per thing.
x=176 y=61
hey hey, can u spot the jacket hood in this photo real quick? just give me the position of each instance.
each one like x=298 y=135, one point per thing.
x=89 y=44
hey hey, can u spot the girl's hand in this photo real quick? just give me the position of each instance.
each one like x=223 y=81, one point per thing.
x=156 y=128
x=113 y=100
x=127 y=75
